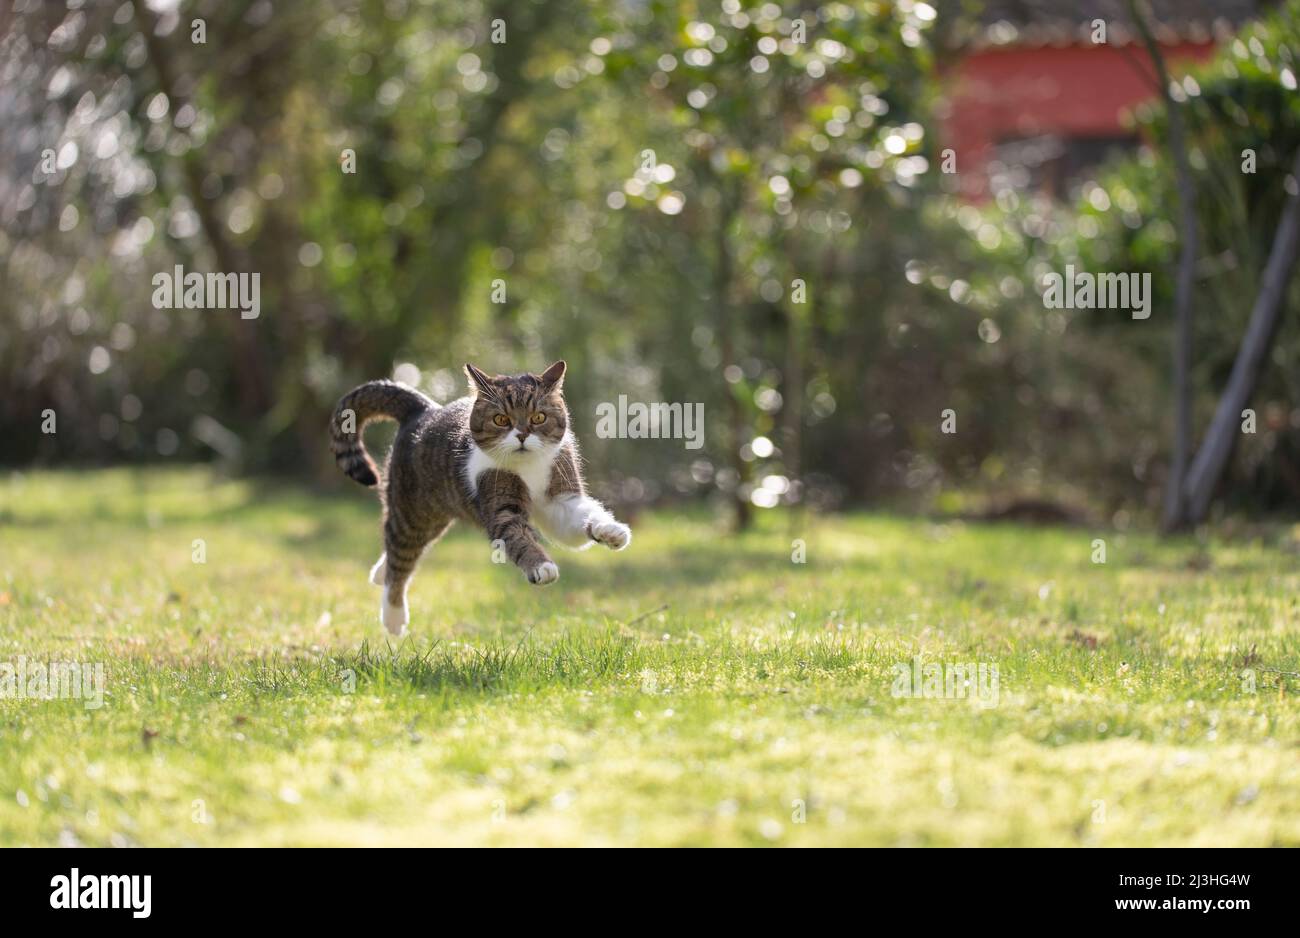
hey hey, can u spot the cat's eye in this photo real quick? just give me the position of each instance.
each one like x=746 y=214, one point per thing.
x=501 y=420
x=537 y=419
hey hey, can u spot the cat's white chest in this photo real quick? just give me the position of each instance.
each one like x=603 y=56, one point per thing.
x=534 y=469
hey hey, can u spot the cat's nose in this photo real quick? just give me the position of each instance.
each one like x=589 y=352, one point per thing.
x=521 y=434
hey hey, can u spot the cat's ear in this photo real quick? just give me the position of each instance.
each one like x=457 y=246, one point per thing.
x=477 y=379
x=553 y=377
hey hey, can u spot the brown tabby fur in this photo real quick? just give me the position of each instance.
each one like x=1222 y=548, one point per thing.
x=425 y=484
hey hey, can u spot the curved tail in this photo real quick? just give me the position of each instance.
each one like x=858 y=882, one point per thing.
x=374 y=400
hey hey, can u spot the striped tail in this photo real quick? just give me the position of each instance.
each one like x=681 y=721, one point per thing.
x=374 y=400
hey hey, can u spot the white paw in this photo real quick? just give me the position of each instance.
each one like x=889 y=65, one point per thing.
x=379 y=570
x=613 y=534
x=394 y=617
x=544 y=573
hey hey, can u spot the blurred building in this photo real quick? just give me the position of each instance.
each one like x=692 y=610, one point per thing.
x=1033 y=100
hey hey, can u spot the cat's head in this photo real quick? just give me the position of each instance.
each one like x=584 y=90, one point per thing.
x=515 y=415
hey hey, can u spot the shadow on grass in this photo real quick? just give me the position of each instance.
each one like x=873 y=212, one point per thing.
x=496 y=666
x=576 y=661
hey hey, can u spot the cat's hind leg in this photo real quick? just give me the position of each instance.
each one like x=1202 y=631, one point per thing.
x=379 y=570
x=403 y=545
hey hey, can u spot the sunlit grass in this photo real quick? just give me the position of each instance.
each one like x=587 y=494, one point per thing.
x=695 y=689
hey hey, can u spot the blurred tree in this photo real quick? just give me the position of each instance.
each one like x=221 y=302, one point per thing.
x=786 y=255
x=774 y=120
x=1175 y=507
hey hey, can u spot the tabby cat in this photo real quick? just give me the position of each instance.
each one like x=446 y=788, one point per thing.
x=502 y=458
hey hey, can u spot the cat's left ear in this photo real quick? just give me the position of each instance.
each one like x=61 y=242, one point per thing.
x=478 y=379
x=553 y=377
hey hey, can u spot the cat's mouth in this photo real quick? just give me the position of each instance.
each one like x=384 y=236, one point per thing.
x=523 y=449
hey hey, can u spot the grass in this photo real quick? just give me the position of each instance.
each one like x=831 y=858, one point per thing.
x=693 y=690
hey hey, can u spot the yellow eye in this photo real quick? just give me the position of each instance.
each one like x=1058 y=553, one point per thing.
x=537 y=419
x=501 y=420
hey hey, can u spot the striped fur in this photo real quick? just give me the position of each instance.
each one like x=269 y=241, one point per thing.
x=374 y=400
x=501 y=460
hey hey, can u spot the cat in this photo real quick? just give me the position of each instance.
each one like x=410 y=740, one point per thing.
x=503 y=458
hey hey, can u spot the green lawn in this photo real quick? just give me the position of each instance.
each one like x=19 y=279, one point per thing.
x=695 y=689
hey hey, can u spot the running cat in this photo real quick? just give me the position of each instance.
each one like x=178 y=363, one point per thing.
x=502 y=459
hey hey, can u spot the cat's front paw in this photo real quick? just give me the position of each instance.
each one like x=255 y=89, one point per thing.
x=613 y=534
x=544 y=573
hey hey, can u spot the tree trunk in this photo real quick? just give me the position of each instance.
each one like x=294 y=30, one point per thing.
x=1265 y=317
x=792 y=405
x=251 y=364
x=722 y=275
x=1175 y=508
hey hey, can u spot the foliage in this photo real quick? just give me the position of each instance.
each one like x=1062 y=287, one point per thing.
x=647 y=184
